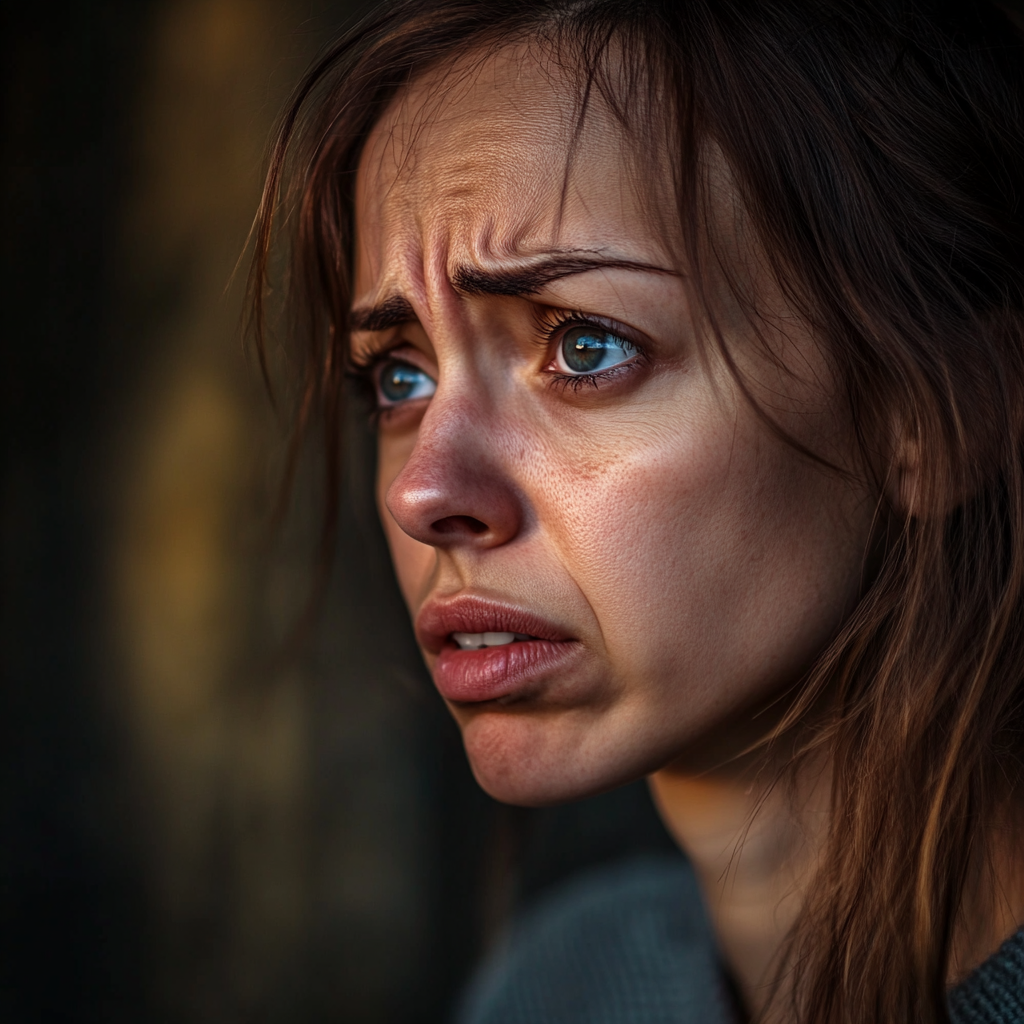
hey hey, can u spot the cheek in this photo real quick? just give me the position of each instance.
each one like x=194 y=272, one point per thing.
x=715 y=559
x=414 y=562
x=641 y=538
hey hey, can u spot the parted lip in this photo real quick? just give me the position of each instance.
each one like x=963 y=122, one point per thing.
x=466 y=612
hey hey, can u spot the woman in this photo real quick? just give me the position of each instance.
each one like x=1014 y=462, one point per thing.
x=696 y=333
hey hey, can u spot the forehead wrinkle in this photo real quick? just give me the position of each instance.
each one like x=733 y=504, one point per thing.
x=417 y=107
x=442 y=172
x=494 y=247
x=452 y=198
x=431 y=102
x=396 y=274
x=441 y=302
x=441 y=103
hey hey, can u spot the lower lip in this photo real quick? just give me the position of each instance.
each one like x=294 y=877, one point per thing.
x=490 y=673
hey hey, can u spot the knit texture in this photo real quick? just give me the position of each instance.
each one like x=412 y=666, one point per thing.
x=628 y=944
x=994 y=992
x=631 y=944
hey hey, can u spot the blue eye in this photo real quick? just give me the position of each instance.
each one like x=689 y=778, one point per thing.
x=398 y=381
x=590 y=349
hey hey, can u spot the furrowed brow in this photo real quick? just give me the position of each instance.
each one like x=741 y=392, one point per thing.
x=532 y=278
x=392 y=312
x=512 y=281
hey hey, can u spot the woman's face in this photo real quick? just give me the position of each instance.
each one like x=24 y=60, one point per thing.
x=608 y=556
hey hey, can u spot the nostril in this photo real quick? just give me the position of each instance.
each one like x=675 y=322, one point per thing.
x=459 y=524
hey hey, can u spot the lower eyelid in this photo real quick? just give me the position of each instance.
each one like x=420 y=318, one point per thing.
x=561 y=379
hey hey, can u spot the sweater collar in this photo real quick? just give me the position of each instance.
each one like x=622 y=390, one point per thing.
x=994 y=992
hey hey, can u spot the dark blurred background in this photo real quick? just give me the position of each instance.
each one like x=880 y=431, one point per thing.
x=193 y=828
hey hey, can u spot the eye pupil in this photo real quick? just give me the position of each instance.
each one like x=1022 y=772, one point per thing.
x=399 y=380
x=585 y=349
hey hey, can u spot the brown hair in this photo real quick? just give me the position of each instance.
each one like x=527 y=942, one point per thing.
x=878 y=150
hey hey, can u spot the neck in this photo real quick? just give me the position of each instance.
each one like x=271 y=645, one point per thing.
x=753 y=847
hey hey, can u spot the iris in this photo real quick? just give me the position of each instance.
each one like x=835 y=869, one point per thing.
x=589 y=349
x=400 y=382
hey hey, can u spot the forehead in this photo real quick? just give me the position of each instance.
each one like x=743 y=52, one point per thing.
x=490 y=159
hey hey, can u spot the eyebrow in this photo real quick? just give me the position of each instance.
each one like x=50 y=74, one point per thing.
x=507 y=281
x=392 y=312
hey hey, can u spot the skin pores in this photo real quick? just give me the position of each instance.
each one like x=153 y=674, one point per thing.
x=679 y=564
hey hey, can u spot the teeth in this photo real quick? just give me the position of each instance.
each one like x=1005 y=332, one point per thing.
x=474 y=641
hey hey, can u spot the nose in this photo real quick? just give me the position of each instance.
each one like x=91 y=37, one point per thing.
x=454 y=491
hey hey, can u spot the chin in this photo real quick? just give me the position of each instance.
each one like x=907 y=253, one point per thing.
x=536 y=760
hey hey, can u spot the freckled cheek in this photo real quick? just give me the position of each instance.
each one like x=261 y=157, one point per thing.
x=654 y=541
x=709 y=558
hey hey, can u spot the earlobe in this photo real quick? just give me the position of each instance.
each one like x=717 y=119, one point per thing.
x=902 y=484
x=899 y=465
x=931 y=480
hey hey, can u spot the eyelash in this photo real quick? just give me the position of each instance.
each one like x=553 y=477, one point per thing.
x=361 y=367
x=553 y=323
x=550 y=323
x=363 y=372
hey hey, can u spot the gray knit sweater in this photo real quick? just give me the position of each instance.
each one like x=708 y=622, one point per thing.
x=994 y=993
x=631 y=944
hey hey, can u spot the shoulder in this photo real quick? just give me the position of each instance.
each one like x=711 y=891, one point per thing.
x=626 y=943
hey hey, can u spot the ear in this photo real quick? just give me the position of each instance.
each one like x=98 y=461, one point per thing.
x=916 y=490
x=920 y=485
x=903 y=480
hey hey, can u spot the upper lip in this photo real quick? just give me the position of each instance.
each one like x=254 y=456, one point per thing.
x=473 y=613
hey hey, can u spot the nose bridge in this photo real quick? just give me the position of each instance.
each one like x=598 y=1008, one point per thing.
x=452 y=433
x=456 y=487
